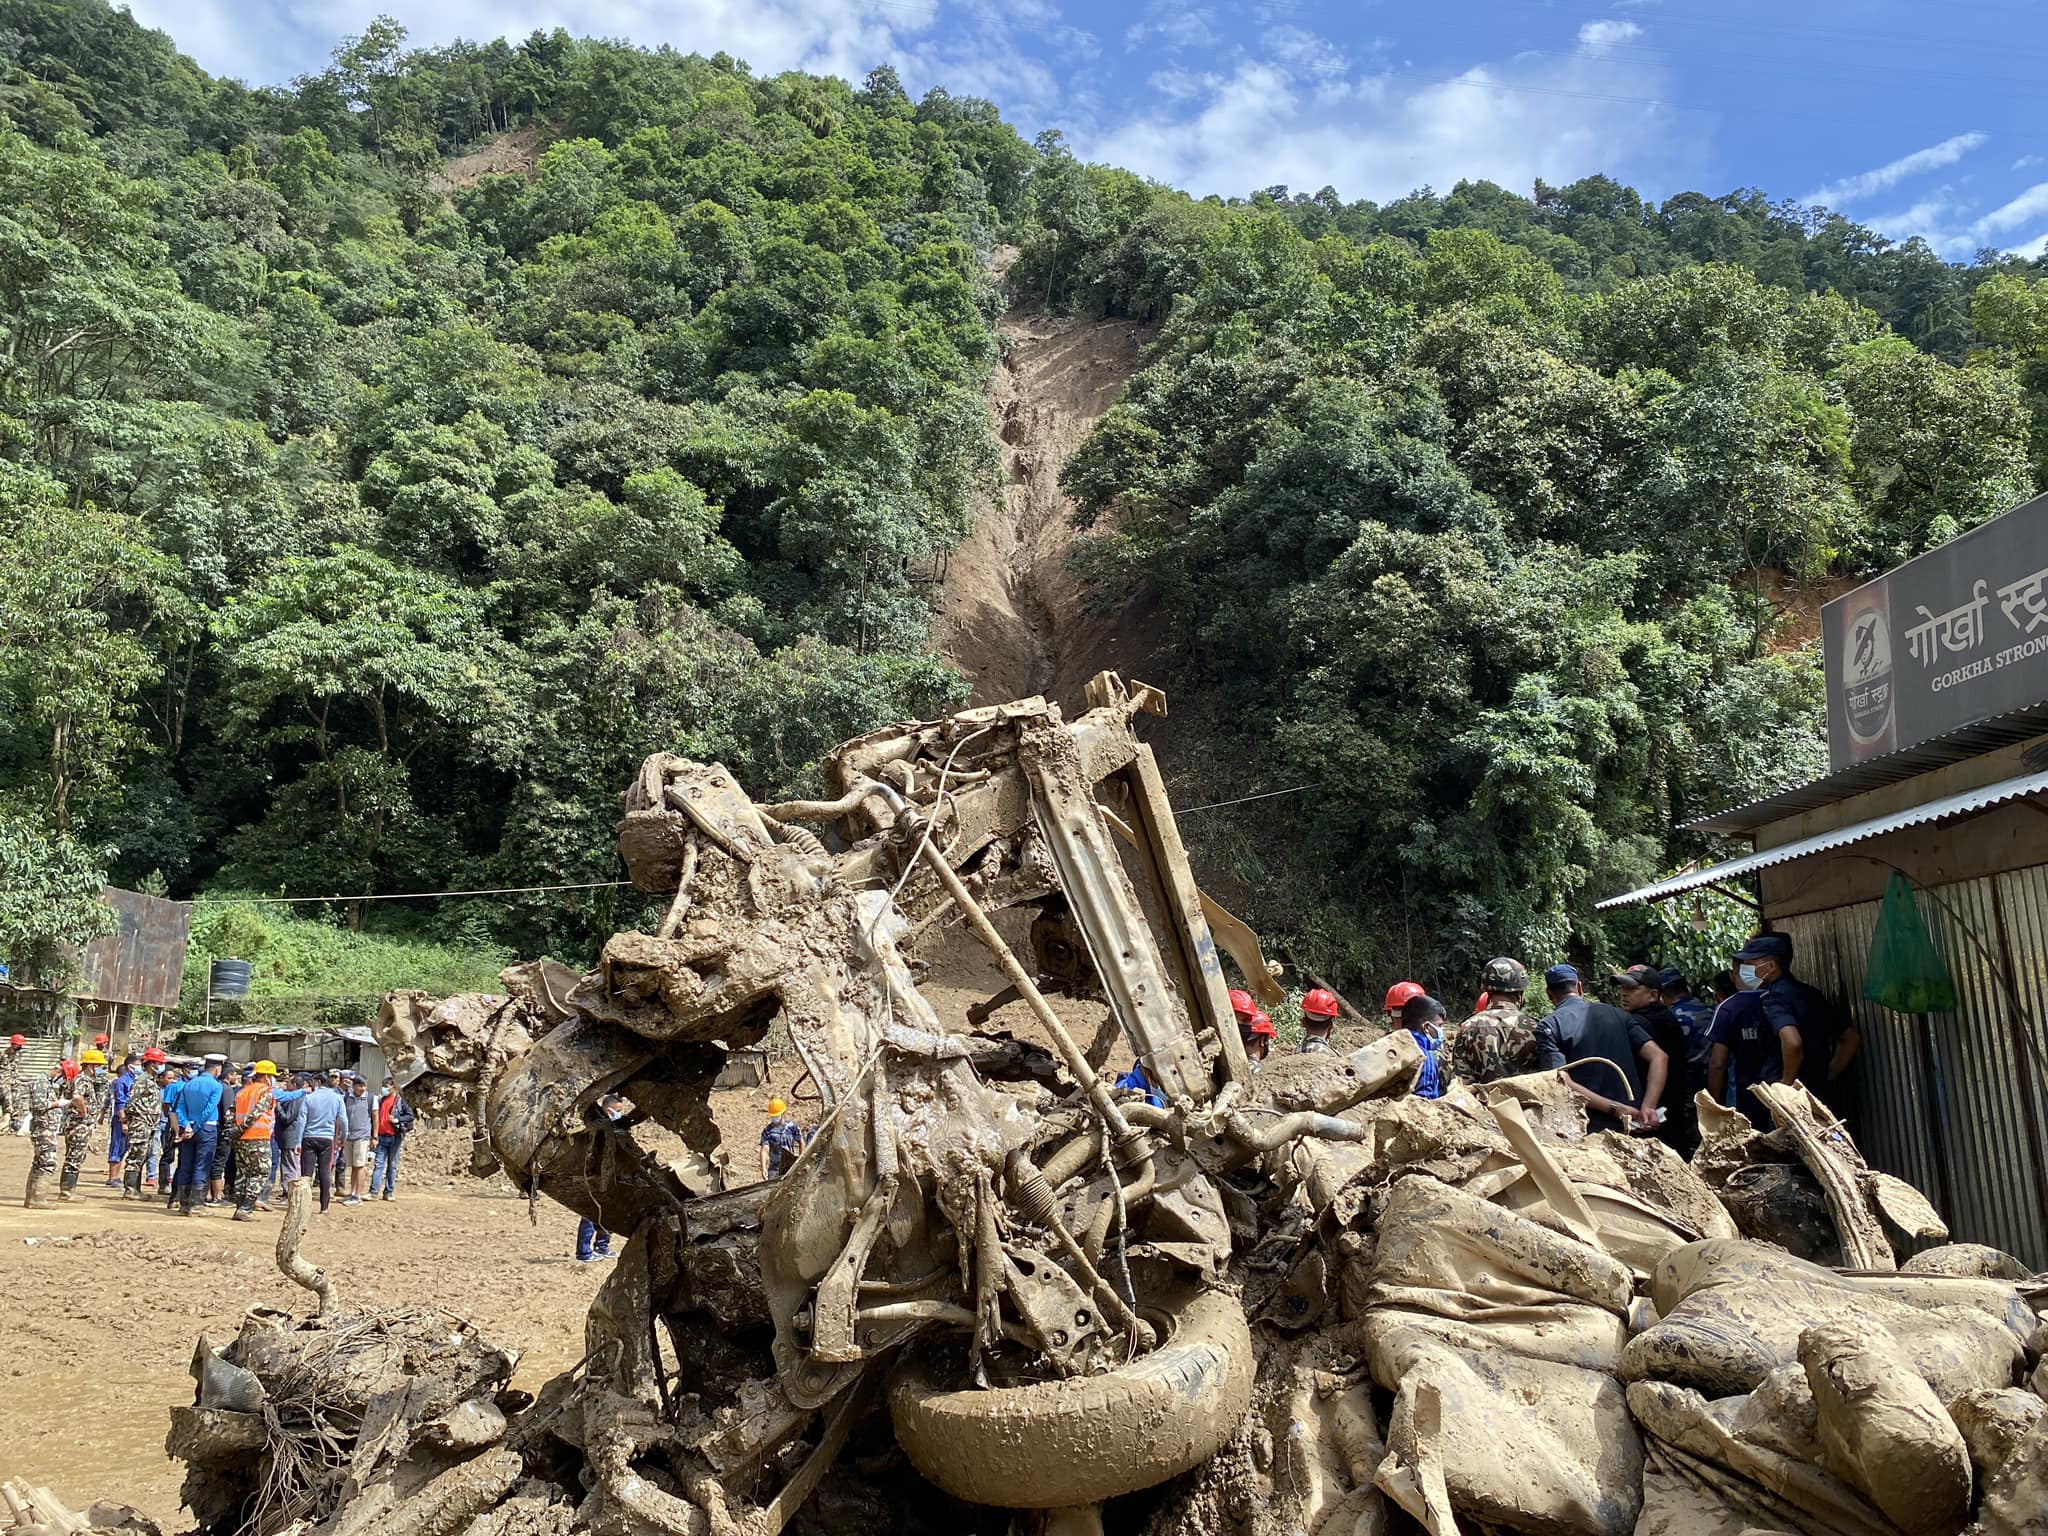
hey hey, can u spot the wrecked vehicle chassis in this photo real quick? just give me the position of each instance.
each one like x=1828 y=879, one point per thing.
x=1028 y=1277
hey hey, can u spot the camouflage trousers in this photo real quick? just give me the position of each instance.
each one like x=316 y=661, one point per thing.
x=45 y=1153
x=139 y=1165
x=77 y=1143
x=252 y=1166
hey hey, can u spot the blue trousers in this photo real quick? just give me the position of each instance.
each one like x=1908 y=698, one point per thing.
x=195 y=1156
x=591 y=1239
x=117 y=1143
x=384 y=1165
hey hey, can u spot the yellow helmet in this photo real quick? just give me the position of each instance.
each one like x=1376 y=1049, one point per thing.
x=265 y=1069
x=776 y=1106
x=92 y=1058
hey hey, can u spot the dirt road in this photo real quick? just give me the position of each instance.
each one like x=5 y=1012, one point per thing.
x=102 y=1301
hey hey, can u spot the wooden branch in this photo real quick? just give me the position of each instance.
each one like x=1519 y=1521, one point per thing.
x=298 y=1212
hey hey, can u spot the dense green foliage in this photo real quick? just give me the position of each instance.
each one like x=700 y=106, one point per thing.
x=305 y=968
x=1491 y=563
x=367 y=527
x=369 y=510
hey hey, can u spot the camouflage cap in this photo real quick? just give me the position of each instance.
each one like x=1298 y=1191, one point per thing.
x=1504 y=975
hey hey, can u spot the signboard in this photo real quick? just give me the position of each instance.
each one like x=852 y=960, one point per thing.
x=1954 y=637
x=143 y=960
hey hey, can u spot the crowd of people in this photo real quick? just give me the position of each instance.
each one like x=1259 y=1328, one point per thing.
x=1637 y=1062
x=201 y=1132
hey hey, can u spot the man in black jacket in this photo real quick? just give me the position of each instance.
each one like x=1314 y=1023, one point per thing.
x=1830 y=1044
x=1642 y=989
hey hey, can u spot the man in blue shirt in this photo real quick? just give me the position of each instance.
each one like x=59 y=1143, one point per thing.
x=174 y=1083
x=1423 y=1018
x=117 y=1107
x=324 y=1112
x=1696 y=1019
x=198 y=1113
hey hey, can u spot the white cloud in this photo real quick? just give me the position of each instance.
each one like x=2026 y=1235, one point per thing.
x=1173 y=25
x=2024 y=209
x=1608 y=33
x=2026 y=162
x=1304 y=53
x=1269 y=118
x=1852 y=189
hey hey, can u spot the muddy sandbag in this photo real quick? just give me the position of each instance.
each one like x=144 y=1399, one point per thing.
x=1481 y=1276
x=1329 y=1084
x=1525 y=1445
x=1780 y=1415
x=1972 y=1260
x=1883 y=1430
x=2016 y=1499
x=1994 y=1421
x=1732 y=1312
x=1787 y=1492
x=1655 y=1174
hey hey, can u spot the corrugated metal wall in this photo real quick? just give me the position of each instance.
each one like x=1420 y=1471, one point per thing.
x=1955 y=1102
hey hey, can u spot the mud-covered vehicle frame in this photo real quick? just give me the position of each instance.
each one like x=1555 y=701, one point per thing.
x=1035 y=1258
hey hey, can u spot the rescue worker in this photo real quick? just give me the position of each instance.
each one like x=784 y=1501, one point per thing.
x=50 y=1099
x=1697 y=1018
x=1243 y=1008
x=139 y=1120
x=1423 y=1017
x=1642 y=995
x=1259 y=1036
x=88 y=1093
x=15 y=1086
x=1789 y=1004
x=1499 y=1040
x=251 y=1125
x=1613 y=1047
x=223 y=1153
x=114 y=1112
x=198 y=1131
x=781 y=1139
x=1398 y=996
x=1318 y=1020
x=594 y=1243
x=167 y=1154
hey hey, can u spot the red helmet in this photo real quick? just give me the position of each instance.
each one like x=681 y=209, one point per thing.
x=1241 y=1003
x=17 y=1041
x=99 y=1040
x=1261 y=1025
x=1399 y=993
x=70 y=1070
x=154 y=1055
x=1320 y=1004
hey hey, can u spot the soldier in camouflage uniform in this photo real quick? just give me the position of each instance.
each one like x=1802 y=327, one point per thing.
x=49 y=1101
x=89 y=1090
x=145 y=1108
x=1500 y=1040
x=14 y=1087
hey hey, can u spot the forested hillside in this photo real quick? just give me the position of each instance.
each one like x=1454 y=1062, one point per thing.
x=364 y=521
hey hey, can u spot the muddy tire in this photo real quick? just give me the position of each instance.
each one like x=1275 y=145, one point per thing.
x=1062 y=1443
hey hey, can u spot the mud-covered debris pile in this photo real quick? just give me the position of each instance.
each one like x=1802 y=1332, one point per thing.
x=1292 y=1300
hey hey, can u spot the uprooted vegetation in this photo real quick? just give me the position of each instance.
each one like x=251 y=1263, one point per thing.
x=994 y=1290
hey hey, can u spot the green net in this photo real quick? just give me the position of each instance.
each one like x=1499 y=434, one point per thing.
x=1905 y=971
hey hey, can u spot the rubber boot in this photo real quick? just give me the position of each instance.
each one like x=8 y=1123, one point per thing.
x=38 y=1198
x=186 y=1194
x=67 y=1185
x=131 y=1182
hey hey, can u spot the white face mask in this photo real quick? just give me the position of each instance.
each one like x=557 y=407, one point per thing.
x=1747 y=976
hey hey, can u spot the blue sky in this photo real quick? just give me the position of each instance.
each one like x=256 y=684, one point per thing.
x=1909 y=115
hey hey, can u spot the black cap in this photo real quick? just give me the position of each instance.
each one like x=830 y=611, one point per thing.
x=1767 y=946
x=1673 y=979
x=1639 y=976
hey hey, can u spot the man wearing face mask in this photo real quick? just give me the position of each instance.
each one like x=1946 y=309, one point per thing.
x=1760 y=1039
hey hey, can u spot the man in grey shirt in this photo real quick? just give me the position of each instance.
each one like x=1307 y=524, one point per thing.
x=1578 y=1030
x=356 y=1121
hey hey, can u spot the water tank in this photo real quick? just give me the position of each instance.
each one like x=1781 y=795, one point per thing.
x=228 y=979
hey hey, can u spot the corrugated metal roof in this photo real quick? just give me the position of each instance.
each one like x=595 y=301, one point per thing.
x=1935 y=752
x=1963 y=804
